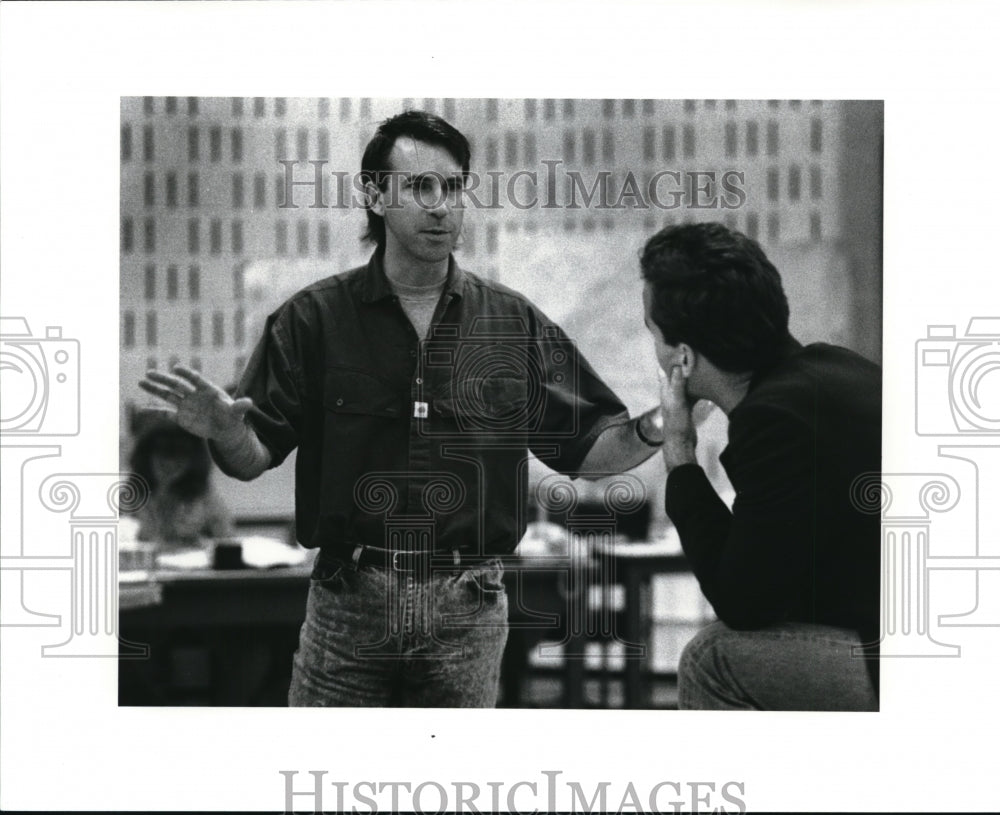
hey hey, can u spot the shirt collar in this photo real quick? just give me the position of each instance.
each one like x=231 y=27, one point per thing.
x=376 y=284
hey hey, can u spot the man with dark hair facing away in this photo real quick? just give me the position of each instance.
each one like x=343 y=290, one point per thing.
x=792 y=570
x=413 y=391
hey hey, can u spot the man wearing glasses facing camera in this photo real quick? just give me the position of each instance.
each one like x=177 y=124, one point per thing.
x=413 y=391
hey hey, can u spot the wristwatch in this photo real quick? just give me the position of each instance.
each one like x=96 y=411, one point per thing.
x=653 y=419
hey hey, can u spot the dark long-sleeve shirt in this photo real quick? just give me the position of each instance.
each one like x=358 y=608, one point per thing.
x=794 y=548
x=407 y=444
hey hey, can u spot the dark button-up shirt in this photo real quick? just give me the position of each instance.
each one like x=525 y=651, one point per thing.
x=411 y=444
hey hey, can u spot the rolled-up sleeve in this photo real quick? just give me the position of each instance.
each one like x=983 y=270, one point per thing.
x=274 y=383
x=578 y=405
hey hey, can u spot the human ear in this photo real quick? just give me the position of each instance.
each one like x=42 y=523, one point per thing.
x=375 y=202
x=687 y=359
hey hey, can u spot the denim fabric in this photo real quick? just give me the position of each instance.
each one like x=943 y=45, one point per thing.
x=791 y=666
x=380 y=638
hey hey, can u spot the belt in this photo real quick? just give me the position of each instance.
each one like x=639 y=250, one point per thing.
x=401 y=560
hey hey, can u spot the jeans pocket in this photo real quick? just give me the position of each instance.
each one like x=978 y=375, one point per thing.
x=327 y=573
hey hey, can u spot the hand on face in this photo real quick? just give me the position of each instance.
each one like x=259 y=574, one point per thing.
x=679 y=434
x=199 y=406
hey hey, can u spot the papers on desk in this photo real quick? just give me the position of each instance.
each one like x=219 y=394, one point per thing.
x=669 y=544
x=128 y=529
x=136 y=560
x=264 y=553
x=188 y=559
x=544 y=539
x=258 y=552
x=139 y=595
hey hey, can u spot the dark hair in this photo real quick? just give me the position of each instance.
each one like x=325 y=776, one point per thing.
x=715 y=289
x=171 y=440
x=420 y=126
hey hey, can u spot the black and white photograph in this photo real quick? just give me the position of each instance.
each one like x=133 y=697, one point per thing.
x=242 y=219
x=576 y=411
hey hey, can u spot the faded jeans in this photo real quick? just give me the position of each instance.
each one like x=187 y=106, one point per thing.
x=791 y=666
x=376 y=637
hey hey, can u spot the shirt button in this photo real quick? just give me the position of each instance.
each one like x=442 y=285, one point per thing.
x=420 y=381
x=340 y=402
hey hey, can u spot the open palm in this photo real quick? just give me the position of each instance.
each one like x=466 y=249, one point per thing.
x=198 y=405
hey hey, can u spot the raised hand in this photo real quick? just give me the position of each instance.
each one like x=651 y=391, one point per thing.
x=198 y=405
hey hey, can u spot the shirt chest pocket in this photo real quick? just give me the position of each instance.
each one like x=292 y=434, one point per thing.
x=357 y=392
x=499 y=403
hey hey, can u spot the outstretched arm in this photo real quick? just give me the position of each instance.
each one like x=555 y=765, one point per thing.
x=203 y=408
x=624 y=446
x=670 y=428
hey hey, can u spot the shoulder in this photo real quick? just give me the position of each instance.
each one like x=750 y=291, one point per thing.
x=814 y=384
x=817 y=370
x=479 y=286
x=489 y=298
x=315 y=302
x=326 y=290
x=823 y=359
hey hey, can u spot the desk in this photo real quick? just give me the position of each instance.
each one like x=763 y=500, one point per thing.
x=223 y=638
x=633 y=566
x=544 y=602
x=576 y=607
x=218 y=597
x=263 y=610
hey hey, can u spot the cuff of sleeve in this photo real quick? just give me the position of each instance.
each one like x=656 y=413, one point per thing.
x=685 y=487
x=587 y=441
x=277 y=437
x=275 y=456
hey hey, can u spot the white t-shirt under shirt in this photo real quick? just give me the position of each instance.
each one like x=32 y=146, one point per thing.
x=419 y=302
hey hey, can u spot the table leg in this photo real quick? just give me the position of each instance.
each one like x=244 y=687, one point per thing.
x=634 y=608
x=574 y=670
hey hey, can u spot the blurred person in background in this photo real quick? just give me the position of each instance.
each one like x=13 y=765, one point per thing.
x=792 y=570
x=182 y=508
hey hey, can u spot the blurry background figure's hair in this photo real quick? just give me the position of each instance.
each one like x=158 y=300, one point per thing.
x=159 y=437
